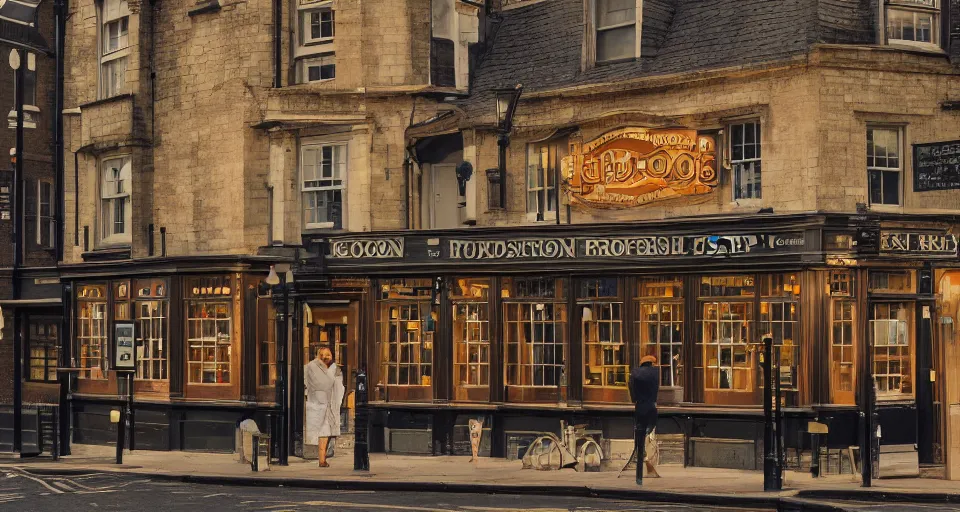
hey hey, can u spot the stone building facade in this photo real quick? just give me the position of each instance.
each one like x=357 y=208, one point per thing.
x=184 y=183
x=680 y=178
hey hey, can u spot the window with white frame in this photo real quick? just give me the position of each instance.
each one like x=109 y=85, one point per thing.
x=543 y=165
x=617 y=30
x=319 y=68
x=317 y=25
x=115 y=212
x=114 y=46
x=45 y=221
x=884 y=165
x=323 y=172
x=745 y=159
x=315 y=51
x=914 y=22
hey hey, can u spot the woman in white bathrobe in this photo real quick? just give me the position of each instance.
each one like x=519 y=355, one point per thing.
x=324 y=382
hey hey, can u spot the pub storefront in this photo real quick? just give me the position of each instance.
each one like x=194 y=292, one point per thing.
x=204 y=342
x=524 y=330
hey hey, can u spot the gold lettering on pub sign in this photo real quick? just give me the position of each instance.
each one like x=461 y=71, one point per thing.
x=918 y=243
x=547 y=248
x=359 y=249
x=635 y=166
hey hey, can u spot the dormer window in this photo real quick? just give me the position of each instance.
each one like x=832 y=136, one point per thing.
x=913 y=22
x=617 y=30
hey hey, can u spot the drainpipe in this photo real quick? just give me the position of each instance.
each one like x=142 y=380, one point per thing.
x=277 y=27
x=63 y=417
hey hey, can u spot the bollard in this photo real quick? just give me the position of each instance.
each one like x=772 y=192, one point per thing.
x=361 y=446
x=119 y=417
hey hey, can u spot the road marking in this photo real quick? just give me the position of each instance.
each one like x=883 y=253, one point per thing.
x=62 y=485
x=215 y=495
x=374 y=506
x=41 y=482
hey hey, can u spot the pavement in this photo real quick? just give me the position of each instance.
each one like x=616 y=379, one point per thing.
x=448 y=474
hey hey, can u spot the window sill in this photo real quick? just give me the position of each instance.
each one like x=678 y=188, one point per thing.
x=886 y=208
x=748 y=202
x=903 y=44
x=547 y=217
x=107 y=254
x=321 y=230
x=101 y=101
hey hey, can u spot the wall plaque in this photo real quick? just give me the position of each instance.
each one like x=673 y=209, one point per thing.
x=6 y=195
x=936 y=166
x=635 y=166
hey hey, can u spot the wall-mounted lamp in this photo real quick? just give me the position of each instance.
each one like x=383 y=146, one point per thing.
x=507 y=100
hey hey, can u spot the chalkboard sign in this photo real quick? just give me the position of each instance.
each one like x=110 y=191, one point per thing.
x=936 y=166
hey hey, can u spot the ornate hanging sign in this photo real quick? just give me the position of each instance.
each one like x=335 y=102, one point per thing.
x=635 y=166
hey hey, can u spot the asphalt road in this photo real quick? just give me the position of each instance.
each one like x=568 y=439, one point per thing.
x=28 y=492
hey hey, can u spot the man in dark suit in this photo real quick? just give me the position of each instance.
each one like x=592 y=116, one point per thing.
x=644 y=386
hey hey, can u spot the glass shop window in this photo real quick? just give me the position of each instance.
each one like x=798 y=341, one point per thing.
x=42 y=349
x=471 y=339
x=892 y=345
x=209 y=307
x=92 y=331
x=659 y=324
x=406 y=323
x=779 y=319
x=151 y=307
x=843 y=352
x=606 y=363
x=730 y=355
x=535 y=337
x=892 y=281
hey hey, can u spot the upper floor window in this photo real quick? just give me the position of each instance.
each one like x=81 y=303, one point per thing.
x=884 y=165
x=46 y=225
x=617 y=29
x=543 y=170
x=323 y=172
x=114 y=47
x=745 y=159
x=315 y=51
x=913 y=21
x=115 y=212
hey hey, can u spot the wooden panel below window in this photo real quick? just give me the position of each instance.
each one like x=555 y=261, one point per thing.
x=472 y=394
x=533 y=394
x=606 y=395
x=149 y=387
x=732 y=398
x=213 y=391
x=409 y=393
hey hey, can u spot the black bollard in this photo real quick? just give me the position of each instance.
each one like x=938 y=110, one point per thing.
x=361 y=446
x=121 y=434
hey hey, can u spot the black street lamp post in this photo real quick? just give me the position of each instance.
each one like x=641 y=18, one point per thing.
x=507 y=100
x=280 y=293
x=772 y=480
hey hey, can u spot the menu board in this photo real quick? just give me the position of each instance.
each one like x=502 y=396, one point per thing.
x=936 y=166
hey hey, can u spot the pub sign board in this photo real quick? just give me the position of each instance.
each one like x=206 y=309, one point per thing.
x=918 y=244
x=568 y=248
x=936 y=166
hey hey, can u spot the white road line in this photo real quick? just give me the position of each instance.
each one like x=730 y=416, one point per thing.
x=374 y=506
x=215 y=495
x=63 y=486
x=41 y=482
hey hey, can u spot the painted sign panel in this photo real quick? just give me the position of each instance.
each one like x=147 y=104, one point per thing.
x=918 y=244
x=361 y=249
x=936 y=166
x=657 y=246
x=635 y=166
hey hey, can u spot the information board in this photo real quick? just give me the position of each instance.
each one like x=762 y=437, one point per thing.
x=123 y=352
x=936 y=166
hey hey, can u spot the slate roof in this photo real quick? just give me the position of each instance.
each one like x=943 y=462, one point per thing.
x=539 y=45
